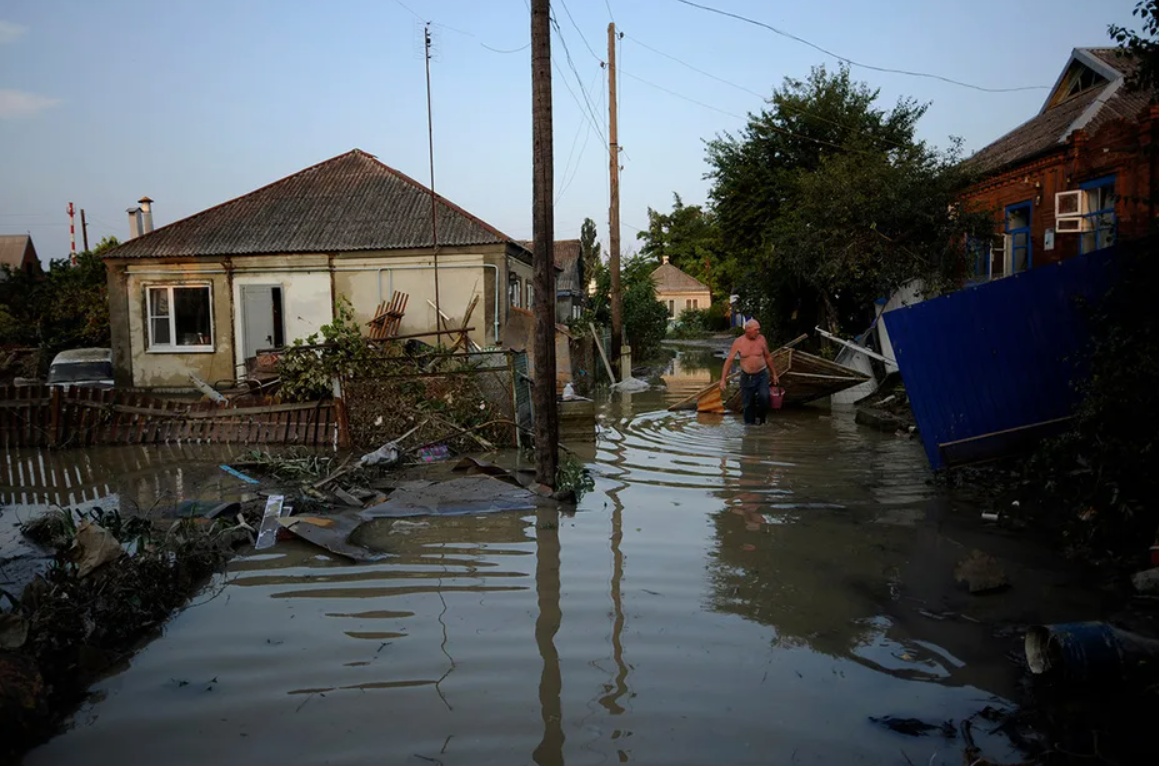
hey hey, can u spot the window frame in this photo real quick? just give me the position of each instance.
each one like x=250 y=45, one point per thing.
x=1012 y=255
x=172 y=347
x=1093 y=216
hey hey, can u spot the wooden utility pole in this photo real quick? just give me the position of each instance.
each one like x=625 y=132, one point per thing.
x=84 y=229
x=543 y=237
x=434 y=205
x=614 y=207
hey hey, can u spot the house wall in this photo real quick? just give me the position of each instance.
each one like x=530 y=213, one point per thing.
x=1120 y=148
x=307 y=303
x=703 y=299
x=170 y=369
x=367 y=279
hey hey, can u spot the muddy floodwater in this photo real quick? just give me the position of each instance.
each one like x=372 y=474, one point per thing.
x=726 y=595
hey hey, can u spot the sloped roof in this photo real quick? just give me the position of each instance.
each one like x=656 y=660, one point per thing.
x=1059 y=117
x=349 y=203
x=670 y=279
x=566 y=253
x=12 y=249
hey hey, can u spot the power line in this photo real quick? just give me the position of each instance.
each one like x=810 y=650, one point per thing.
x=512 y=50
x=680 y=95
x=610 y=14
x=850 y=61
x=412 y=11
x=789 y=107
x=581 y=33
x=579 y=81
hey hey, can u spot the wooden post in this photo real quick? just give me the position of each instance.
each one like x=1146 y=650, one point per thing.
x=543 y=235
x=614 y=205
x=341 y=416
x=54 y=424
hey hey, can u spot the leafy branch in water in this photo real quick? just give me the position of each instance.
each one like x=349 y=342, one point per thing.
x=572 y=475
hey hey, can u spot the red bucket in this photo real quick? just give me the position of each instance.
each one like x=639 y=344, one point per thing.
x=776 y=397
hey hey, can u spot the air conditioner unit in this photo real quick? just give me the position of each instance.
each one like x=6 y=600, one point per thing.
x=1072 y=225
x=1070 y=204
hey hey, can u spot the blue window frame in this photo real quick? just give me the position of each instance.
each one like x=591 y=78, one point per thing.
x=1101 y=222
x=1019 y=248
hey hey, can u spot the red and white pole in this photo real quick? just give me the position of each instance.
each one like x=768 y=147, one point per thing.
x=72 y=231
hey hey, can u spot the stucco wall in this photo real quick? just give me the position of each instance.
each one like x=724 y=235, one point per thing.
x=306 y=300
x=170 y=369
x=366 y=279
x=703 y=300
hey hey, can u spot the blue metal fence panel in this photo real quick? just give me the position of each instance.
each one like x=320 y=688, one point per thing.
x=995 y=363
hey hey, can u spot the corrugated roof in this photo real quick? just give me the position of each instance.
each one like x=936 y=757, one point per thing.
x=566 y=253
x=1051 y=127
x=670 y=279
x=12 y=248
x=349 y=203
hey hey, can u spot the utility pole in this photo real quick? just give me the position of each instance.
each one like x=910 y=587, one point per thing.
x=543 y=237
x=434 y=206
x=72 y=231
x=614 y=206
x=84 y=229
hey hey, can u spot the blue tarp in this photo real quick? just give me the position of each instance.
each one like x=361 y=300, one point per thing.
x=995 y=364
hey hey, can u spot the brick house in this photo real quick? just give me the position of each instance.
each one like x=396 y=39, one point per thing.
x=1076 y=177
x=19 y=254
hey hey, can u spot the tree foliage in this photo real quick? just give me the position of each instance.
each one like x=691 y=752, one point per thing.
x=825 y=201
x=66 y=307
x=690 y=238
x=1143 y=47
x=589 y=251
x=645 y=318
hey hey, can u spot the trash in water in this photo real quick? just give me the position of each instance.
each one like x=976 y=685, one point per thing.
x=347 y=498
x=631 y=385
x=1089 y=651
x=96 y=546
x=989 y=516
x=268 y=532
x=13 y=631
x=914 y=727
x=470 y=465
x=236 y=473
x=982 y=573
x=433 y=454
x=457 y=497
x=331 y=534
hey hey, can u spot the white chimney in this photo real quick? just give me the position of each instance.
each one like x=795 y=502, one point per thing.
x=135 y=222
x=665 y=258
x=147 y=214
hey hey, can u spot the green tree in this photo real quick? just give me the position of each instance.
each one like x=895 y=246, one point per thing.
x=826 y=201
x=645 y=318
x=67 y=307
x=690 y=238
x=589 y=251
x=1142 y=48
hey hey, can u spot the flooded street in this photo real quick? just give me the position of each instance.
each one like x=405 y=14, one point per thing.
x=726 y=595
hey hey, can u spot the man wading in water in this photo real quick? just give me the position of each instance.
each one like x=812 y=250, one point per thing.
x=755 y=365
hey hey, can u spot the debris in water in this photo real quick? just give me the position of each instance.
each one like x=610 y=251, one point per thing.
x=268 y=532
x=95 y=547
x=981 y=572
x=914 y=727
x=332 y=536
x=467 y=495
x=238 y=474
x=13 y=631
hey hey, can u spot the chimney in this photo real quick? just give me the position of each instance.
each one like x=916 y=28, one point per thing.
x=147 y=214
x=135 y=222
x=665 y=258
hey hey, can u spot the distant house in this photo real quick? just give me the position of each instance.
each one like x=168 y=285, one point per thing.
x=204 y=294
x=19 y=254
x=679 y=291
x=569 y=278
x=1076 y=177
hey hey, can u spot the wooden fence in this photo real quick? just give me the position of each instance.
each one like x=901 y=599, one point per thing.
x=42 y=416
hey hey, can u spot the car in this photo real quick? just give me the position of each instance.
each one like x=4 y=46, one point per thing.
x=87 y=367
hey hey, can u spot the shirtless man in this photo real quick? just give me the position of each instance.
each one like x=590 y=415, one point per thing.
x=755 y=365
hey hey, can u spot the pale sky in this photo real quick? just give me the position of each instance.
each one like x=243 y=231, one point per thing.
x=193 y=102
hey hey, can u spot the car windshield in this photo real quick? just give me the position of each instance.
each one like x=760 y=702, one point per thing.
x=80 y=371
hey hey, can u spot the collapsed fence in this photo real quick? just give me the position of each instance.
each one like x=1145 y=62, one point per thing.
x=44 y=416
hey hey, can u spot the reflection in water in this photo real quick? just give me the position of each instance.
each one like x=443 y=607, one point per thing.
x=758 y=610
x=549 y=752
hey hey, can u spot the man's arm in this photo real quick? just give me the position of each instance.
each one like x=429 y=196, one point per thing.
x=769 y=363
x=727 y=366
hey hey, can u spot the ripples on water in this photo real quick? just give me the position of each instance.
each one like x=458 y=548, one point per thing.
x=717 y=599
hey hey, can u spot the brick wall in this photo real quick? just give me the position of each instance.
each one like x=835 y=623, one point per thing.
x=1122 y=148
